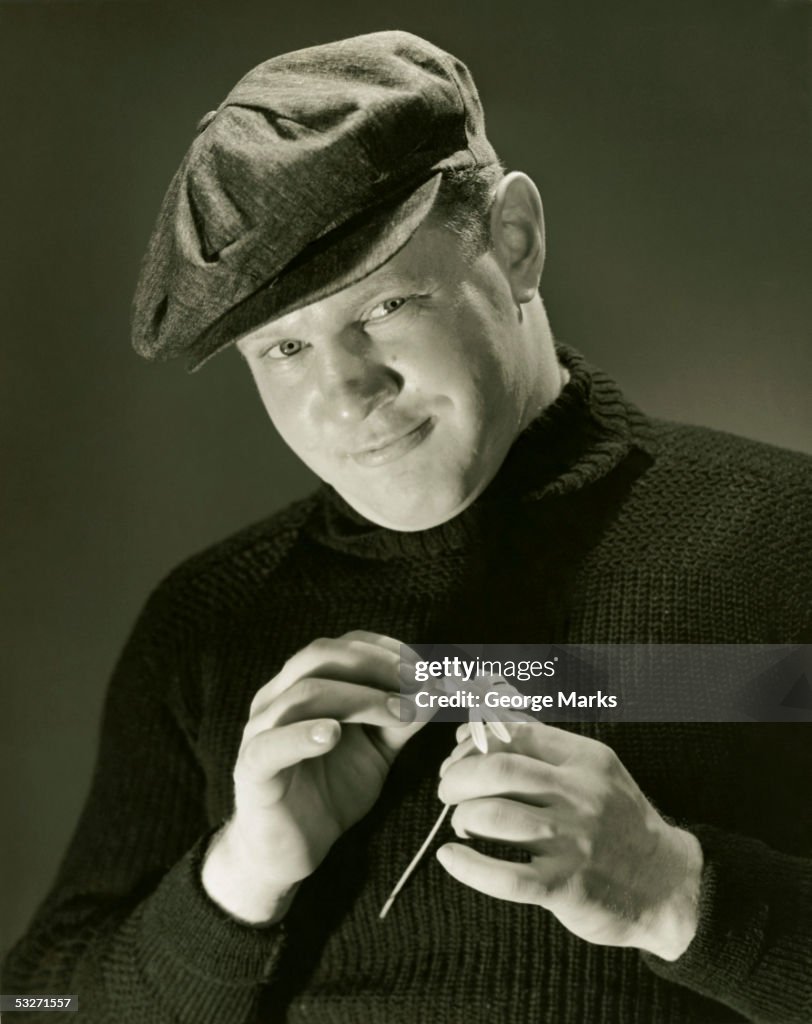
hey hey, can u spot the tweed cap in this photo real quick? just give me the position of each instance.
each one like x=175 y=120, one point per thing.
x=317 y=167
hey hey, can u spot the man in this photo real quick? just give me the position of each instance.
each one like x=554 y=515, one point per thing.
x=343 y=220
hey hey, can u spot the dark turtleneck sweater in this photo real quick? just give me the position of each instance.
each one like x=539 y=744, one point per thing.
x=602 y=526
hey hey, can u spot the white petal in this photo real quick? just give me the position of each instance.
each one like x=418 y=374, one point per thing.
x=479 y=736
x=500 y=730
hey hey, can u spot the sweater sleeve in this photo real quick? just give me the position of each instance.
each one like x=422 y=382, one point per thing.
x=753 y=947
x=127 y=925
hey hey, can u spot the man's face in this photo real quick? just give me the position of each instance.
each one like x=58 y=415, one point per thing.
x=406 y=390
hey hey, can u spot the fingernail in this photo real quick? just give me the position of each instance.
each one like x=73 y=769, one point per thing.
x=407 y=674
x=397 y=707
x=408 y=681
x=323 y=732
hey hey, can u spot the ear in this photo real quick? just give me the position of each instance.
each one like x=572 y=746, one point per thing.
x=517 y=232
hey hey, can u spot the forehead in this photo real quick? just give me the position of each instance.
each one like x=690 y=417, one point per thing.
x=432 y=256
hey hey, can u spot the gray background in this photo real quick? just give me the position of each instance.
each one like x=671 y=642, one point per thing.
x=671 y=143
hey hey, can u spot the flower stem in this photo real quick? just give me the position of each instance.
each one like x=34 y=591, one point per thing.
x=414 y=862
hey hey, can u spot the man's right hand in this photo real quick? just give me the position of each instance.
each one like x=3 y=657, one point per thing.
x=320 y=739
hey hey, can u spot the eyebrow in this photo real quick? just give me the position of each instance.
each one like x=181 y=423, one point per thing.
x=401 y=281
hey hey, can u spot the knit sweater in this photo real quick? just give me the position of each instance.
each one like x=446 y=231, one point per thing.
x=602 y=526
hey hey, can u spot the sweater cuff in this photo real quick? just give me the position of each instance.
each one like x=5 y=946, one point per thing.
x=183 y=928
x=751 y=948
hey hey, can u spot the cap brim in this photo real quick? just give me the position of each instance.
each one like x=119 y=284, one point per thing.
x=343 y=256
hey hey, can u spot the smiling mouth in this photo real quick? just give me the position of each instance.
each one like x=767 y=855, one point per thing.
x=391 y=450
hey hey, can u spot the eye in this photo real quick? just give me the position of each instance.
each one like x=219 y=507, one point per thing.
x=285 y=349
x=386 y=308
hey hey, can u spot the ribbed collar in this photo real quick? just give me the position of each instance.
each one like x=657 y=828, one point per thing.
x=582 y=435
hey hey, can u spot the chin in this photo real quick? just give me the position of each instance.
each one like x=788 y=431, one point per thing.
x=408 y=515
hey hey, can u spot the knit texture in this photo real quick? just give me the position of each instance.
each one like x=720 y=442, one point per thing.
x=603 y=526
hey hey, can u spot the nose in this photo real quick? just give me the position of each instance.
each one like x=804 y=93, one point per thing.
x=353 y=379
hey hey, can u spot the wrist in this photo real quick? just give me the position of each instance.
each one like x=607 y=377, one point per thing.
x=673 y=923
x=239 y=887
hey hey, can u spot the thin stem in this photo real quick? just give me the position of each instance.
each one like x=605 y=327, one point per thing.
x=414 y=862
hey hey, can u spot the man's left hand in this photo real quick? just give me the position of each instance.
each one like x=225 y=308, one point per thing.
x=602 y=860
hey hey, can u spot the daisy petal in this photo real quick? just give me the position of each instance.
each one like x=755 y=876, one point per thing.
x=479 y=736
x=500 y=729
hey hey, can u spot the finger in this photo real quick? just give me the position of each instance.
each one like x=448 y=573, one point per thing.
x=503 y=820
x=466 y=748
x=525 y=734
x=353 y=661
x=386 y=643
x=514 y=776
x=397 y=738
x=504 y=880
x=407 y=672
x=328 y=698
x=498 y=740
x=271 y=752
x=541 y=741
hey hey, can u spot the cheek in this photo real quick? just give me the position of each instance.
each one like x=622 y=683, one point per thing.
x=460 y=348
x=287 y=411
x=481 y=362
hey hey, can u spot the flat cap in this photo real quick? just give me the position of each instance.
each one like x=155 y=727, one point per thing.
x=317 y=167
